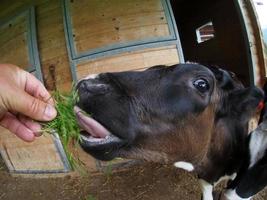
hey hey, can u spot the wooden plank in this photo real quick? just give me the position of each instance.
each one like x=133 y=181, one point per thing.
x=120 y=22
x=20 y=156
x=121 y=36
x=48 y=53
x=52 y=44
x=54 y=28
x=12 y=29
x=17 y=42
x=255 y=41
x=15 y=26
x=43 y=8
x=8 y=7
x=130 y=61
x=55 y=16
x=63 y=79
x=56 y=59
x=56 y=39
x=113 y=8
x=16 y=51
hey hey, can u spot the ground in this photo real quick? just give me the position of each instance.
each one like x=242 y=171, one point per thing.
x=142 y=182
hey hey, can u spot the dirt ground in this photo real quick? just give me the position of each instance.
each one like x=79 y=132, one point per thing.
x=142 y=182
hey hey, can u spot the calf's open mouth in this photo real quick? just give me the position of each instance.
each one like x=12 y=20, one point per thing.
x=92 y=132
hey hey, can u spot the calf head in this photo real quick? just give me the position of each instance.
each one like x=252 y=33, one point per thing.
x=228 y=146
x=163 y=114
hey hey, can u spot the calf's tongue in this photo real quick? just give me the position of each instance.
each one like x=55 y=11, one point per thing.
x=90 y=125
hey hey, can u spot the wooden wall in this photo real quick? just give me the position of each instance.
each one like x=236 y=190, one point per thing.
x=22 y=157
x=256 y=41
x=97 y=27
x=52 y=45
x=98 y=24
x=138 y=60
x=13 y=42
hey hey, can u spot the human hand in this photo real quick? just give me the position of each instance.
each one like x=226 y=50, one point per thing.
x=23 y=98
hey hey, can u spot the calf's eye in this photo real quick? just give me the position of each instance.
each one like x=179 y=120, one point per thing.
x=201 y=85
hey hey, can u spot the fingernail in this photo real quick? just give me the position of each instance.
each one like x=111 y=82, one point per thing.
x=28 y=136
x=36 y=128
x=38 y=133
x=50 y=112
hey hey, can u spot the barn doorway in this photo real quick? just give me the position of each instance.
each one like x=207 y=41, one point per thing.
x=212 y=33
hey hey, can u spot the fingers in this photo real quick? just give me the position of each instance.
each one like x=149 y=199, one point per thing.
x=10 y=122
x=22 y=93
x=35 y=108
x=32 y=125
x=35 y=88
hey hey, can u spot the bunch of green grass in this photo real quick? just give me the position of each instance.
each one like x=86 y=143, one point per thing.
x=65 y=124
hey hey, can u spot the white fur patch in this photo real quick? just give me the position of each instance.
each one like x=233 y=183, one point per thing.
x=184 y=165
x=232 y=195
x=226 y=177
x=257 y=144
x=91 y=76
x=206 y=190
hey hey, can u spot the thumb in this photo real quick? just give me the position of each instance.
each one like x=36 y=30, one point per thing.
x=33 y=107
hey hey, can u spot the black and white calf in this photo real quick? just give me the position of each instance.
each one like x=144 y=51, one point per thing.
x=228 y=147
x=253 y=175
x=185 y=114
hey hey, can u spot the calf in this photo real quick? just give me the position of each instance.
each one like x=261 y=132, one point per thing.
x=228 y=149
x=252 y=177
x=185 y=114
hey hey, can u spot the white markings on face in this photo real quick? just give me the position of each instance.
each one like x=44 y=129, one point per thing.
x=91 y=76
x=258 y=143
x=206 y=190
x=232 y=195
x=184 y=165
x=226 y=177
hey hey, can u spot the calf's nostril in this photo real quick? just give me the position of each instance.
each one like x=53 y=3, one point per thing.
x=80 y=85
x=92 y=87
x=98 y=88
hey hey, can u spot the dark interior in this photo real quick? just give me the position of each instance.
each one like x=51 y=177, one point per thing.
x=229 y=47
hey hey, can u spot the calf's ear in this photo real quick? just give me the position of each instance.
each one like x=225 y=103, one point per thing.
x=246 y=101
x=226 y=79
